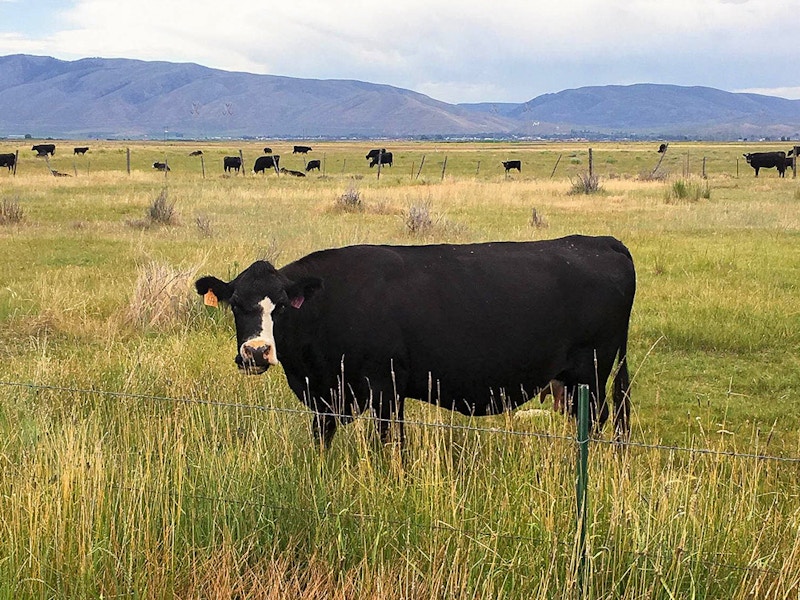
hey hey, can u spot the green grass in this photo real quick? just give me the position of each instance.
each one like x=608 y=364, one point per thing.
x=137 y=462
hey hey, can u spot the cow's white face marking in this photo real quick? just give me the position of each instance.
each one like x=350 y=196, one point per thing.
x=265 y=337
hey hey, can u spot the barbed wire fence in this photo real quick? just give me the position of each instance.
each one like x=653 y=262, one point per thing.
x=573 y=542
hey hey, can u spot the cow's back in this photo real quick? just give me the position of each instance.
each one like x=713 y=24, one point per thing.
x=471 y=317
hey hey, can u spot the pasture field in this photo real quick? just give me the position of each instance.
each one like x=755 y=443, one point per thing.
x=136 y=462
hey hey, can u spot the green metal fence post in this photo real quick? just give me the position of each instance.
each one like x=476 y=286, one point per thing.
x=581 y=483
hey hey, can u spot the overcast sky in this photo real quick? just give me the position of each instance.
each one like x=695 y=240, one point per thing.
x=456 y=51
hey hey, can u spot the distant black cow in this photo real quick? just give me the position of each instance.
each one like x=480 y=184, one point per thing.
x=80 y=150
x=662 y=148
x=267 y=150
x=385 y=159
x=44 y=149
x=313 y=164
x=374 y=152
x=301 y=150
x=230 y=163
x=8 y=160
x=196 y=153
x=512 y=164
x=767 y=160
x=292 y=173
x=266 y=162
x=475 y=328
x=159 y=166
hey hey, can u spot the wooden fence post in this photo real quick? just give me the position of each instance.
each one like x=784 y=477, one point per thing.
x=555 y=166
x=203 y=166
x=241 y=161
x=794 y=162
x=444 y=166
x=16 y=160
x=591 y=163
x=421 y=162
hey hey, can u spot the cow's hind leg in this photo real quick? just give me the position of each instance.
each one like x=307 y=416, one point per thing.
x=590 y=368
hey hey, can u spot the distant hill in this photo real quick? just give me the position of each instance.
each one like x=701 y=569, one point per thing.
x=651 y=108
x=97 y=97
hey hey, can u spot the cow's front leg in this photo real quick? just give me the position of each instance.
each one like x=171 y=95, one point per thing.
x=389 y=419
x=323 y=427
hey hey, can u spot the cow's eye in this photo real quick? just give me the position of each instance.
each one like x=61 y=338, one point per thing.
x=279 y=309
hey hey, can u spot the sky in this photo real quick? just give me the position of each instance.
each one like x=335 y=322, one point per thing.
x=452 y=50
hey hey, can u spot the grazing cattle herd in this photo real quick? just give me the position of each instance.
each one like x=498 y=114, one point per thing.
x=768 y=160
x=779 y=160
x=476 y=328
x=44 y=149
x=231 y=163
x=382 y=158
x=266 y=162
x=8 y=160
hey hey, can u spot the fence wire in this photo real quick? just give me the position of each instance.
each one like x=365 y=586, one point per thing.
x=422 y=424
x=716 y=560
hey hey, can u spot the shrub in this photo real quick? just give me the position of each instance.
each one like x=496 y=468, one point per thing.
x=418 y=218
x=350 y=200
x=204 y=226
x=689 y=191
x=585 y=184
x=162 y=296
x=537 y=220
x=10 y=211
x=162 y=211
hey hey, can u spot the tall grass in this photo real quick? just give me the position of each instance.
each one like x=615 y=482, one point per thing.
x=159 y=497
x=140 y=463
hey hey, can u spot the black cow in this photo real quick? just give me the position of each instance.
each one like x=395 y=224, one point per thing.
x=301 y=150
x=512 y=164
x=662 y=148
x=266 y=162
x=196 y=153
x=44 y=149
x=476 y=328
x=767 y=160
x=80 y=150
x=385 y=159
x=230 y=163
x=374 y=152
x=292 y=173
x=267 y=150
x=159 y=166
x=313 y=164
x=8 y=160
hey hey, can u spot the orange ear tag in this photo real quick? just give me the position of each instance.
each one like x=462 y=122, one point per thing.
x=210 y=299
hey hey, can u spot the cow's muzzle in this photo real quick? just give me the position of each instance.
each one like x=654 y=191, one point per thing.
x=255 y=357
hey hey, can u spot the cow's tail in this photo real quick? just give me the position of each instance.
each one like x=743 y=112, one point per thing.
x=622 y=398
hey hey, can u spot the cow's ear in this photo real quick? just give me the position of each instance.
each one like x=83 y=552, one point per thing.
x=220 y=289
x=303 y=289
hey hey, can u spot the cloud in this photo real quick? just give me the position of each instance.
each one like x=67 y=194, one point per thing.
x=467 y=50
x=792 y=93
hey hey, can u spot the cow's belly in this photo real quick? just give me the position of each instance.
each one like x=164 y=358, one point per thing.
x=478 y=398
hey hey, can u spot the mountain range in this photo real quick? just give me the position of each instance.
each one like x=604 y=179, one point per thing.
x=123 y=98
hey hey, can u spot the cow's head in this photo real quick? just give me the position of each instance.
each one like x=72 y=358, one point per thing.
x=258 y=297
